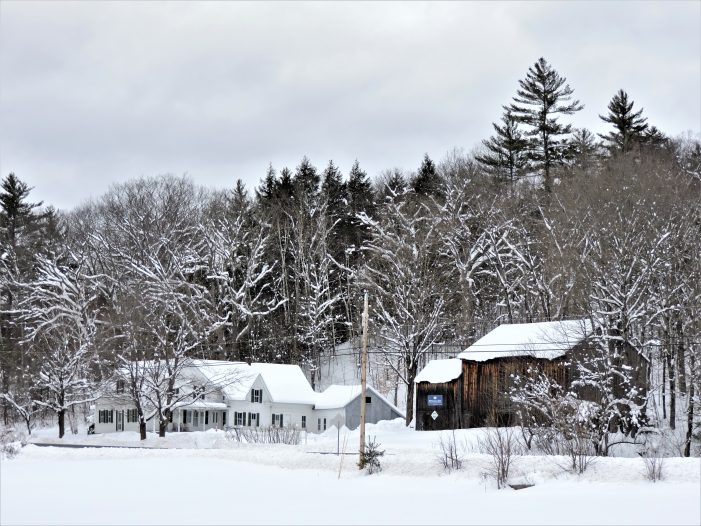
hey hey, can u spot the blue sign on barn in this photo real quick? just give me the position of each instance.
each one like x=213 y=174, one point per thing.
x=435 y=400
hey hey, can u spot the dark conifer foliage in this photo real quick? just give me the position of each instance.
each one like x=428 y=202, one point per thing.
x=334 y=190
x=630 y=127
x=265 y=192
x=285 y=188
x=306 y=181
x=506 y=156
x=542 y=98
x=584 y=149
x=427 y=182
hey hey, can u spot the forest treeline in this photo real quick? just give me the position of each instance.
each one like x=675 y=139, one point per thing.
x=544 y=221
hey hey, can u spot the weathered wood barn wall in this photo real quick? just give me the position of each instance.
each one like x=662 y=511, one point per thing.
x=479 y=394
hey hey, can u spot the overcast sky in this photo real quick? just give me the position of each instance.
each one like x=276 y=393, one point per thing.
x=93 y=93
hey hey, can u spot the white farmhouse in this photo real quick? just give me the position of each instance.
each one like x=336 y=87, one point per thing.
x=225 y=394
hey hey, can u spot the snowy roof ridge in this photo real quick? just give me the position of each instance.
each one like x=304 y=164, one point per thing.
x=338 y=396
x=440 y=371
x=544 y=340
x=284 y=382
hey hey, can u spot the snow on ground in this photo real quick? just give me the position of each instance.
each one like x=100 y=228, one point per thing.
x=215 y=481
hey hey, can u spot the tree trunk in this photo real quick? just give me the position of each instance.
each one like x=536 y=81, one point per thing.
x=162 y=424
x=61 y=423
x=672 y=393
x=142 y=429
x=411 y=374
x=680 y=360
x=664 y=389
x=690 y=412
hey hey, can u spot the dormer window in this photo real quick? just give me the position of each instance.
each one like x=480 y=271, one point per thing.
x=257 y=396
x=120 y=386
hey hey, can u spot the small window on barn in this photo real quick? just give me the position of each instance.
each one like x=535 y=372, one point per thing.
x=368 y=399
x=120 y=386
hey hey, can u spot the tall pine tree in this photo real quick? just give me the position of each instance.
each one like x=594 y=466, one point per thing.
x=543 y=97
x=629 y=126
x=506 y=154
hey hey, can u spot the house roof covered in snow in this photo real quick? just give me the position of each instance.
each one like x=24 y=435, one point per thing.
x=234 y=378
x=440 y=371
x=285 y=383
x=544 y=340
x=339 y=396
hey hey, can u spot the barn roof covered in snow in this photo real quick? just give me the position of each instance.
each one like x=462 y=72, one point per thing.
x=339 y=396
x=440 y=371
x=544 y=340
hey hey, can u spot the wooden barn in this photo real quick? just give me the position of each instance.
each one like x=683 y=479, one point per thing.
x=465 y=391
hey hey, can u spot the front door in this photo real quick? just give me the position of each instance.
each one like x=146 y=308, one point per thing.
x=120 y=420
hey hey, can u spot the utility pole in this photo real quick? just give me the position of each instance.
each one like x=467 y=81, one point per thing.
x=363 y=377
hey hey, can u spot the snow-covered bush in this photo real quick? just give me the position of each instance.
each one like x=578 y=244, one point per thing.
x=370 y=457
x=11 y=442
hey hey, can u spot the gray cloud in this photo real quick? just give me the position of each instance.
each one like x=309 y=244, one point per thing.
x=94 y=93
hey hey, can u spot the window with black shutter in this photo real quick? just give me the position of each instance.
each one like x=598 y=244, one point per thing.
x=304 y=422
x=206 y=417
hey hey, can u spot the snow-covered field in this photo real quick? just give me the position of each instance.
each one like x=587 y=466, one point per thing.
x=213 y=481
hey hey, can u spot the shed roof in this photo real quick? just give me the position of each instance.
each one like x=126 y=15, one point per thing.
x=440 y=371
x=339 y=396
x=544 y=340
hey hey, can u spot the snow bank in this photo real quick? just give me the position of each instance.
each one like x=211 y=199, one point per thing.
x=412 y=488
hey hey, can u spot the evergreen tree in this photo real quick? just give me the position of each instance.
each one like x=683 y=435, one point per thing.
x=630 y=126
x=334 y=190
x=285 y=187
x=21 y=238
x=266 y=190
x=19 y=219
x=654 y=138
x=306 y=181
x=506 y=156
x=584 y=149
x=360 y=195
x=427 y=181
x=542 y=97
x=239 y=202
